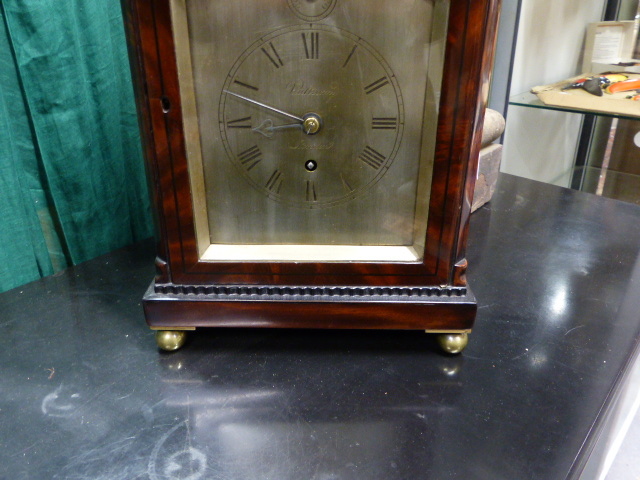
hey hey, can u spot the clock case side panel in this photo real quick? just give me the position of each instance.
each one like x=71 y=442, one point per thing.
x=457 y=144
x=145 y=27
x=479 y=98
x=465 y=88
x=134 y=31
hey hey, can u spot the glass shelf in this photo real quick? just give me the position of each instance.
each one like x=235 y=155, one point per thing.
x=599 y=178
x=531 y=100
x=619 y=185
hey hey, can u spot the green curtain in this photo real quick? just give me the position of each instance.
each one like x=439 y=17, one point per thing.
x=72 y=183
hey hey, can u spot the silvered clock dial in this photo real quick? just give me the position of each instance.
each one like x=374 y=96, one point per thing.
x=311 y=115
x=312 y=160
x=305 y=134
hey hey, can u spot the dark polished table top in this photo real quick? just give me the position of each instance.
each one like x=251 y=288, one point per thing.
x=85 y=394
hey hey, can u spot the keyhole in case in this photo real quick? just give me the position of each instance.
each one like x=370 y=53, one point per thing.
x=166 y=104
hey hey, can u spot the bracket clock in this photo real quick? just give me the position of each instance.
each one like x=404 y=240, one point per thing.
x=312 y=162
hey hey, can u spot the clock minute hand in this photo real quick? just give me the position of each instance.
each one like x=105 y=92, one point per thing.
x=268 y=107
x=267 y=128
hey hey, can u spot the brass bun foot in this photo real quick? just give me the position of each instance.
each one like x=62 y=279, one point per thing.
x=453 y=342
x=170 y=340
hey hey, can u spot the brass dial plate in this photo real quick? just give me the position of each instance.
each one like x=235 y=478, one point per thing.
x=368 y=74
x=354 y=121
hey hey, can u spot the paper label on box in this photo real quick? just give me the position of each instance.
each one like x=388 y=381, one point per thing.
x=608 y=44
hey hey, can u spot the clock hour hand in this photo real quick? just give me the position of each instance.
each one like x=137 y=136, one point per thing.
x=263 y=105
x=267 y=128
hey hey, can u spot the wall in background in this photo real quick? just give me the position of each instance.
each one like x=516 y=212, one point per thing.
x=540 y=144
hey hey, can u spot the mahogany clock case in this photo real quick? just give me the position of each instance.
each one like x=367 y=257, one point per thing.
x=429 y=294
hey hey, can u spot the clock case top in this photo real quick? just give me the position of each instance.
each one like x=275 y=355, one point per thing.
x=468 y=59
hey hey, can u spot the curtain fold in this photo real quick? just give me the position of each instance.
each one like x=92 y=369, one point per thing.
x=71 y=168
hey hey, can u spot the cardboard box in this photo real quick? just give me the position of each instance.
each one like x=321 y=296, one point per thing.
x=617 y=103
x=607 y=45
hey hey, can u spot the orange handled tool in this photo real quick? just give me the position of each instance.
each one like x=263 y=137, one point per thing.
x=624 y=86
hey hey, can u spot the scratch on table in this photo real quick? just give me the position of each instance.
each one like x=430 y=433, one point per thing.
x=25 y=450
x=526 y=352
x=127 y=395
x=111 y=459
x=52 y=407
x=104 y=451
x=572 y=329
x=177 y=462
x=486 y=306
x=99 y=393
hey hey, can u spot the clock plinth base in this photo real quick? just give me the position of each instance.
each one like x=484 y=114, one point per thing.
x=446 y=311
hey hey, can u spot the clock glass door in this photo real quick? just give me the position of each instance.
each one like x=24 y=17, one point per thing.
x=310 y=125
